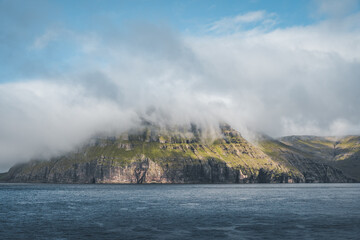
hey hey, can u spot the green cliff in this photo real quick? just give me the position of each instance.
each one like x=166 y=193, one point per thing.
x=182 y=155
x=340 y=152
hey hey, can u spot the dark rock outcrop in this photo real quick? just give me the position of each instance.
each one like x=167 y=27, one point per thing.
x=143 y=170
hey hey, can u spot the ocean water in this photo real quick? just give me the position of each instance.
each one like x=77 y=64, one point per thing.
x=252 y=211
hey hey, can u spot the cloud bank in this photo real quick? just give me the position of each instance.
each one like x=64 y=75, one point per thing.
x=280 y=81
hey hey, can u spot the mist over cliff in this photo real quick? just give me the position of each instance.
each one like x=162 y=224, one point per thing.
x=263 y=77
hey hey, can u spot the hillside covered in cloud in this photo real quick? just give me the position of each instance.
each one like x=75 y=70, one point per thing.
x=246 y=70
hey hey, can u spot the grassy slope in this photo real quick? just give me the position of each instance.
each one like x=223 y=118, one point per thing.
x=276 y=150
x=348 y=156
x=168 y=150
x=343 y=153
x=239 y=155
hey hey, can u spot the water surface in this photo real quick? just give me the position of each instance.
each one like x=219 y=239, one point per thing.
x=250 y=211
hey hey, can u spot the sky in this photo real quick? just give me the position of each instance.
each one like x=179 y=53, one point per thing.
x=70 y=70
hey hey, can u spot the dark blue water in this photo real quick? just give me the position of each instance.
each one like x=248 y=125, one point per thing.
x=269 y=211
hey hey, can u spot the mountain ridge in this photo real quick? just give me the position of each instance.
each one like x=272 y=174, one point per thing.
x=340 y=152
x=180 y=155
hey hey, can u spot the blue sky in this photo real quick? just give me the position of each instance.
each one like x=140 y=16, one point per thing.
x=182 y=15
x=22 y=22
x=70 y=70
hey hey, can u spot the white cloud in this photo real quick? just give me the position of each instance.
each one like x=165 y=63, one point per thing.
x=298 y=80
x=86 y=42
x=41 y=119
x=340 y=126
x=336 y=8
x=233 y=24
x=42 y=41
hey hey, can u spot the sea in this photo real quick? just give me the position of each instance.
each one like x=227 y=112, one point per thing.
x=180 y=211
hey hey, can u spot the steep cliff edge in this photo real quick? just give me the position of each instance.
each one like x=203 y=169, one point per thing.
x=155 y=155
x=192 y=155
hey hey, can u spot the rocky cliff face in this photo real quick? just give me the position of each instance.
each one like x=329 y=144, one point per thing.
x=154 y=155
x=145 y=170
x=314 y=162
x=342 y=153
x=159 y=156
